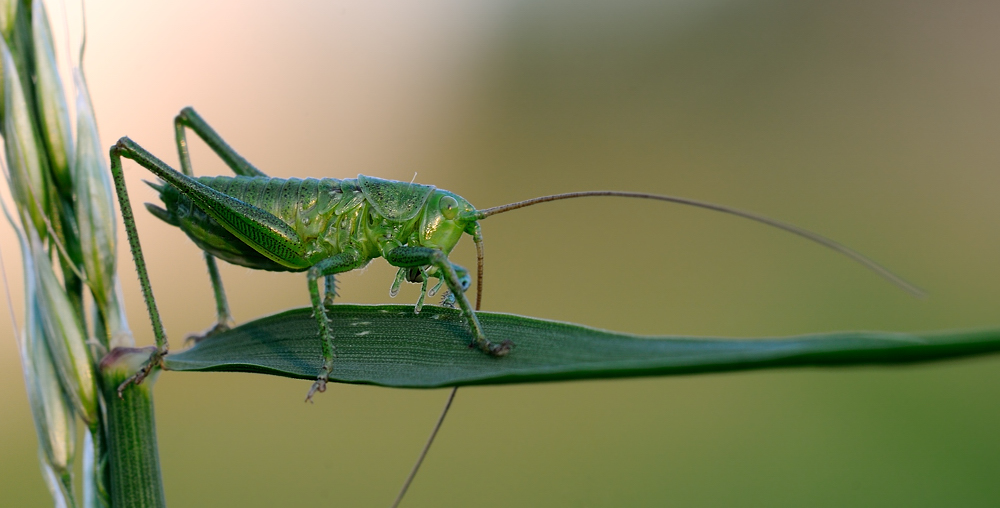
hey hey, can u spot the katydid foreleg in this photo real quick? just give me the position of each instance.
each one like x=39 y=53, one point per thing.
x=415 y=257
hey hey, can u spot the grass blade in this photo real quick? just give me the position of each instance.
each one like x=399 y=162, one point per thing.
x=389 y=345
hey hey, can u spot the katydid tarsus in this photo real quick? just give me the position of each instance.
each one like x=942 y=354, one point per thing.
x=329 y=226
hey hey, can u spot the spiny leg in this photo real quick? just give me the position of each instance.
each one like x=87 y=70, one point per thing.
x=454 y=390
x=343 y=262
x=423 y=291
x=162 y=347
x=192 y=120
x=188 y=118
x=403 y=274
x=330 y=289
x=267 y=233
x=413 y=257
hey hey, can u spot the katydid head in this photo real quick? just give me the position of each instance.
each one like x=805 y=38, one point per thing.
x=443 y=219
x=446 y=217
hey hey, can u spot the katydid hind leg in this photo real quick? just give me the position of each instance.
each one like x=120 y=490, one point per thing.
x=275 y=238
x=189 y=118
x=413 y=257
x=326 y=269
x=162 y=347
x=271 y=237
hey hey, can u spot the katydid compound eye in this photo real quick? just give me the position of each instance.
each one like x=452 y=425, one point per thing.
x=449 y=207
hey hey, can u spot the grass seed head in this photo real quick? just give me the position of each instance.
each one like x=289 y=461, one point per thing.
x=28 y=169
x=95 y=211
x=51 y=410
x=65 y=336
x=54 y=113
x=8 y=11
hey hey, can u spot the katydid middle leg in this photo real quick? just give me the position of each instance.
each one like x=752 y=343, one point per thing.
x=327 y=269
x=188 y=118
x=330 y=289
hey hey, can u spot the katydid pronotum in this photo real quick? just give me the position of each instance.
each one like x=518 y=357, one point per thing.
x=328 y=226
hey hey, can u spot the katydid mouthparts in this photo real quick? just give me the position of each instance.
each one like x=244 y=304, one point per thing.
x=329 y=226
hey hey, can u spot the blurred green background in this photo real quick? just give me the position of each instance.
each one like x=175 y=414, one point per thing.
x=874 y=123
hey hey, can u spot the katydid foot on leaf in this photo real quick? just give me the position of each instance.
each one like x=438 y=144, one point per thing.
x=329 y=226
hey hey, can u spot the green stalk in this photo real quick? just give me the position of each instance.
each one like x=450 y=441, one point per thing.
x=136 y=481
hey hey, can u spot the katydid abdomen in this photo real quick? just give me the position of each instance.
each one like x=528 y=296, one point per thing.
x=319 y=211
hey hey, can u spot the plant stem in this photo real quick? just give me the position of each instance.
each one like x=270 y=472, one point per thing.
x=133 y=457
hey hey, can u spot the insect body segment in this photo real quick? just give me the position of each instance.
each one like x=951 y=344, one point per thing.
x=312 y=209
x=327 y=216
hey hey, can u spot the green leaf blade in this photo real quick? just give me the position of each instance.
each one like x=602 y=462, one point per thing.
x=389 y=345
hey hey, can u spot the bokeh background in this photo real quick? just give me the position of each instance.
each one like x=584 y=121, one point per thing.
x=872 y=122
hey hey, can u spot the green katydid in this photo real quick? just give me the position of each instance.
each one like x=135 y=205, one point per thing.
x=328 y=226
